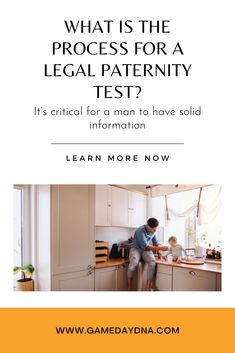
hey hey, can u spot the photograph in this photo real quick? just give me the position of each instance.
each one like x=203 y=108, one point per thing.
x=111 y=114
x=125 y=237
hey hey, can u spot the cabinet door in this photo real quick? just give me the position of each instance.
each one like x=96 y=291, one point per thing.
x=75 y=281
x=218 y=282
x=106 y=279
x=193 y=280
x=120 y=207
x=73 y=235
x=122 y=278
x=164 y=278
x=103 y=205
x=138 y=206
x=164 y=282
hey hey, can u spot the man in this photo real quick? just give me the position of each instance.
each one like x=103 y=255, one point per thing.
x=144 y=245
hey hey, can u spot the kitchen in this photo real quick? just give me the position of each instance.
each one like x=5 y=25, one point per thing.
x=66 y=226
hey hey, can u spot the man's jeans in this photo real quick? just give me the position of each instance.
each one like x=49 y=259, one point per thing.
x=134 y=259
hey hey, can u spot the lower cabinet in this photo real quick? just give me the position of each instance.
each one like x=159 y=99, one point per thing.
x=193 y=280
x=170 y=278
x=218 y=282
x=111 y=278
x=164 y=278
x=75 y=281
x=105 y=279
x=122 y=278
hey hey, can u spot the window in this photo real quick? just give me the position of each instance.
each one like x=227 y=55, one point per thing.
x=210 y=229
x=18 y=239
x=32 y=231
x=183 y=222
x=21 y=241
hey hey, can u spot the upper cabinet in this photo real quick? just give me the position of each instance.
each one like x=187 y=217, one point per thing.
x=119 y=207
x=138 y=209
x=103 y=205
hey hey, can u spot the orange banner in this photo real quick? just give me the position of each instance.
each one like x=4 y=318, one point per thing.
x=116 y=330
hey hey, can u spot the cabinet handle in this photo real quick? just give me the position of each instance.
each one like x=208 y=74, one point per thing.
x=109 y=205
x=192 y=273
x=90 y=267
x=90 y=273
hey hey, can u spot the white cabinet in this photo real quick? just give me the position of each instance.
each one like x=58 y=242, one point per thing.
x=137 y=209
x=103 y=216
x=164 y=278
x=111 y=206
x=218 y=282
x=105 y=279
x=75 y=281
x=119 y=207
x=73 y=233
x=193 y=280
x=111 y=278
x=170 y=278
x=122 y=278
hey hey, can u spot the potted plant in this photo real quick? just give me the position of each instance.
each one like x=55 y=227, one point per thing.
x=26 y=283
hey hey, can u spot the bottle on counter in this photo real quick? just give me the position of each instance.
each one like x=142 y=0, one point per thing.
x=218 y=254
x=213 y=253
x=209 y=252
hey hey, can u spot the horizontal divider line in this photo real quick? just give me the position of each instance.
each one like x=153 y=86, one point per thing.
x=117 y=143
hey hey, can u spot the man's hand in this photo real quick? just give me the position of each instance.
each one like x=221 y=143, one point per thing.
x=163 y=248
x=157 y=247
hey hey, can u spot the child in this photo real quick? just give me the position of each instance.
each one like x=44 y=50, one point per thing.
x=175 y=249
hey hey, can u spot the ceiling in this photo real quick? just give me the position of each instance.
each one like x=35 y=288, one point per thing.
x=134 y=187
x=161 y=189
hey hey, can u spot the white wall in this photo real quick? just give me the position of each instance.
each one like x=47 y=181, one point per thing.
x=113 y=234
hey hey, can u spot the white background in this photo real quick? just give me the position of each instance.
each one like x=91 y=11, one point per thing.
x=204 y=29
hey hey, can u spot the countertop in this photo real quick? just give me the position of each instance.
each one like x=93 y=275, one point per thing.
x=111 y=263
x=209 y=267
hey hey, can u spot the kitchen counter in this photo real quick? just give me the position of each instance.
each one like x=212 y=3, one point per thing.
x=209 y=267
x=111 y=263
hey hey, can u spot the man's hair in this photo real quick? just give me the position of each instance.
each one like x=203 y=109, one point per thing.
x=152 y=222
x=172 y=239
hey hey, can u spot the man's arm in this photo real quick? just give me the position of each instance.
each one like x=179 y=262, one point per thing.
x=142 y=241
x=156 y=247
x=155 y=240
x=144 y=245
x=168 y=252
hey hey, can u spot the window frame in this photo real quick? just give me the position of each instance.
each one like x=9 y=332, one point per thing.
x=25 y=224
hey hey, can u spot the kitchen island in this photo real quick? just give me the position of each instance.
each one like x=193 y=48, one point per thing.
x=207 y=266
x=188 y=277
x=169 y=276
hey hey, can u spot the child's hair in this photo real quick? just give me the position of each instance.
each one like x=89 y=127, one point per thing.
x=172 y=239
